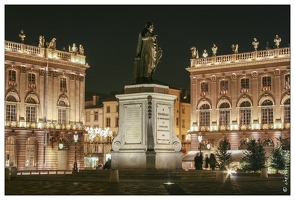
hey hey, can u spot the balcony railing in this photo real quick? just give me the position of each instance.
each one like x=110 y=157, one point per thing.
x=42 y=52
x=241 y=57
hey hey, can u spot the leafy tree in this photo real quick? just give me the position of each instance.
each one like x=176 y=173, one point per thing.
x=277 y=160
x=254 y=157
x=224 y=157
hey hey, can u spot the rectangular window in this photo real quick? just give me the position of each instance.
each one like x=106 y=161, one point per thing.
x=10 y=112
x=117 y=110
x=287 y=114
x=95 y=116
x=108 y=109
x=30 y=114
x=245 y=85
x=223 y=87
x=204 y=87
x=87 y=116
x=31 y=80
x=245 y=116
x=117 y=122
x=177 y=121
x=10 y=156
x=204 y=118
x=267 y=116
x=266 y=83
x=183 y=123
x=108 y=122
x=63 y=84
x=183 y=110
x=30 y=155
x=224 y=117
x=287 y=81
x=12 y=77
x=62 y=116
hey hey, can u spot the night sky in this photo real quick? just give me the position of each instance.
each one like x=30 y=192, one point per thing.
x=109 y=34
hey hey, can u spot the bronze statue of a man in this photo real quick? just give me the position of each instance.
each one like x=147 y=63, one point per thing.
x=148 y=54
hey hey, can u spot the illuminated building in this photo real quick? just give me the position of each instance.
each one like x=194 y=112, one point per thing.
x=240 y=96
x=44 y=105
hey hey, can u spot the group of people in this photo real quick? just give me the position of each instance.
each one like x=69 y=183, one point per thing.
x=208 y=161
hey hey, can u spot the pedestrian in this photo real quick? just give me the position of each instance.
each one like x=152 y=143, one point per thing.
x=200 y=161
x=107 y=165
x=196 y=159
x=212 y=161
x=207 y=160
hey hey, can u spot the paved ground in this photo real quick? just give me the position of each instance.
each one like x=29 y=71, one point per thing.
x=63 y=185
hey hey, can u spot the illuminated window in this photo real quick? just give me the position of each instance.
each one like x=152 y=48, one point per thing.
x=30 y=152
x=224 y=115
x=244 y=85
x=245 y=113
x=267 y=112
x=10 y=152
x=287 y=81
x=266 y=83
x=12 y=77
x=108 y=122
x=31 y=80
x=62 y=113
x=287 y=111
x=223 y=87
x=63 y=84
x=10 y=112
x=205 y=115
x=95 y=116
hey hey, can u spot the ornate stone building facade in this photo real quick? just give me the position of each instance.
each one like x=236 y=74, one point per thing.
x=240 y=96
x=44 y=105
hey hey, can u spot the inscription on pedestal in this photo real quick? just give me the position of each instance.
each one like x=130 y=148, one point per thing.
x=133 y=123
x=163 y=126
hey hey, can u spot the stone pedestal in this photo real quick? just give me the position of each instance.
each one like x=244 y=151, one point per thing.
x=146 y=138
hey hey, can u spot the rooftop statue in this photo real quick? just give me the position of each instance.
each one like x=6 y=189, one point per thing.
x=148 y=54
x=277 y=41
x=41 y=41
x=214 y=49
x=205 y=54
x=51 y=44
x=235 y=48
x=255 y=44
x=195 y=53
x=22 y=35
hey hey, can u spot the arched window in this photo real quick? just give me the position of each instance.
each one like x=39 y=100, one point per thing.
x=10 y=152
x=245 y=113
x=267 y=112
x=224 y=114
x=205 y=115
x=287 y=111
x=31 y=110
x=10 y=109
x=31 y=152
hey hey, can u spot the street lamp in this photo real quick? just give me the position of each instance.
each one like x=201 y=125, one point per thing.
x=75 y=169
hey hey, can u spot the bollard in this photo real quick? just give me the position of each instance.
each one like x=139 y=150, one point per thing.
x=114 y=176
x=13 y=172
x=7 y=175
x=264 y=173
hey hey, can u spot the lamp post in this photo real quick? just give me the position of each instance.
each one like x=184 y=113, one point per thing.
x=75 y=169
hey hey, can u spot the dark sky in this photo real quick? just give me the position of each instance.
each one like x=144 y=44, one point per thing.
x=109 y=34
